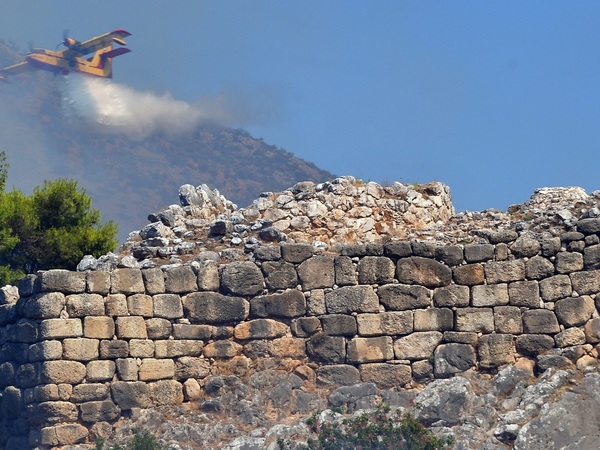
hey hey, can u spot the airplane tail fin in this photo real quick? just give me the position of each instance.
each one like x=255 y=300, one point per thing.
x=103 y=59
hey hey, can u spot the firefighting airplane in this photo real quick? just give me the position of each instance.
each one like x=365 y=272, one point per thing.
x=71 y=59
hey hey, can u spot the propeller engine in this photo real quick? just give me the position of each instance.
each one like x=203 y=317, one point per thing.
x=68 y=41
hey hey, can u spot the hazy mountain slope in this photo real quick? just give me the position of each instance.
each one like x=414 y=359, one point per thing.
x=128 y=178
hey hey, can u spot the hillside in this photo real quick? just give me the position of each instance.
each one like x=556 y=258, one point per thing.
x=128 y=177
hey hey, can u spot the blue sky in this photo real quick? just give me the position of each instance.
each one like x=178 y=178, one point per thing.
x=493 y=98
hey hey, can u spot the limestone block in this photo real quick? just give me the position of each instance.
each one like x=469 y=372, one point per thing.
x=222 y=349
x=214 y=308
x=98 y=282
x=198 y=332
x=339 y=325
x=167 y=306
x=305 y=326
x=508 y=320
x=280 y=275
x=49 y=413
x=7 y=373
x=533 y=344
x=156 y=369
x=130 y=394
x=132 y=327
x=174 y=348
x=328 y=349
x=345 y=273
x=423 y=271
x=461 y=337
x=112 y=349
x=11 y=404
x=397 y=322
x=540 y=321
x=591 y=257
x=555 y=288
x=154 y=280
x=349 y=299
x=567 y=262
x=267 y=253
x=369 y=325
x=400 y=297
x=97 y=371
x=80 y=349
x=451 y=255
x=45 y=350
x=180 y=280
x=452 y=358
x=191 y=367
x=24 y=330
x=127 y=281
x=290 y=303
x=317 y=272
x=574 y=311
x=8 y=313
x=589 y=225
x=475 y=253
x=140 y=305
x=586 y=283
x=89 y=392
x=525 y=247
x=158 y=328
x=370 y=349
x=208 y=276
x=41 y=393
x=57 y=372
x=127 y=369
x=98 y=327
x=524 y=293
x=376 y=270
x=81 y=305
x=60 y=328
x=59 y=280
x=241 y=278
x=489 y=295
x=433 y=319
x=386 y=376
x=496 y=350
x=63 y=434
x=166 y=392
x=452 y=296
x=480 y=320
x=99 y=411
x=116 y=305
x=570 y=337
x=469 y=274
x=260 y=329
x=538 y=268
x=338 y=375
x=191 y=390
x=141 y=348
x=592 y=331
x=315 y=303
x=27 y=375
x=420 y=345
x=296 y=253
x=288 y=347
x=43 y=306
x=504 y=271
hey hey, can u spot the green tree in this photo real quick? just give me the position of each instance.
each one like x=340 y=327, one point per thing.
x=51 y=229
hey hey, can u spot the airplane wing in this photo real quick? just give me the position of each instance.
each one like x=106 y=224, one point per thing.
x=97 y=43
x=14 y=69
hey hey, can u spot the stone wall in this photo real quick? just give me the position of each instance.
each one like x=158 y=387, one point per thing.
x=81 y=349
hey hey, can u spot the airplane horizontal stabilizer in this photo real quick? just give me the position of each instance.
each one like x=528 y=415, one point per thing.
x=116 y=52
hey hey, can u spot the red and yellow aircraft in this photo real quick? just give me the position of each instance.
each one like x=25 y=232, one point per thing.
x=71 y=59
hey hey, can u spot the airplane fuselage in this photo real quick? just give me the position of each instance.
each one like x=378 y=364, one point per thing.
x=55 y=62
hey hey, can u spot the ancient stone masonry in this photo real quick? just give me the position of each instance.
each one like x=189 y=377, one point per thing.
x=82 y=349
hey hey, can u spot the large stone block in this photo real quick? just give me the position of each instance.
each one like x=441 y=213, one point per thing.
x=98 y=327
x=60 y=328
x=489 y=295
x=24 y=330
x=241 y=278
x=433 y=319
x=496 y=350
x=339 y=325
x=214 y=308
x=59 y=280
x=533 y=344
x=98 y=282
x=451 y=296
x=222 y=349
x=98 y=371
x=180 y=347
x=504 y=271
x=591 y=257
x=130 y=394
x=574 y=311
x=376 y=270
x=349 y=299
x=156 y=369
x=305 y=326
x=45 y=351
x=420 y=345
x=328 y=349
x=260 y=329
x=345 y=272
x=296 y=253
x=57 y=372
x=508 y=320
x=63 y=434
x=524 y=293
x=154 y=280
x=116 y=305
x=180 y=280
x=127 y=369
x=80 y=349
x=140 y=305
x=475 y=253
x=8 y=313
x=400 y=297
x=288 y=347
x=592 y=330
x=191 y=367
x=386 y=376
x=317 y=272
x=158 y=328
x=112 y=349
x=167 y=306
x=89 y=392
x=280 y=275
x=133 y=327
x=538 y=268
x=99 y=411
x=570 y=337
x=127 y=281
x=208 y=276
x=555 y=288
x=82 y=305
x=141 y=348
x=370 y=349
x=567 y=262
x=586 y=283
x=469 y=274
x=540 y=321
x=49 y=413
x=43 y=306
x=452 y=358
x=452 y=255
x=28 y=375
x=289 y=304
x=166 y=392
x=338 y=375
x=480 y=320
x=525 y=247
x=423 y=271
